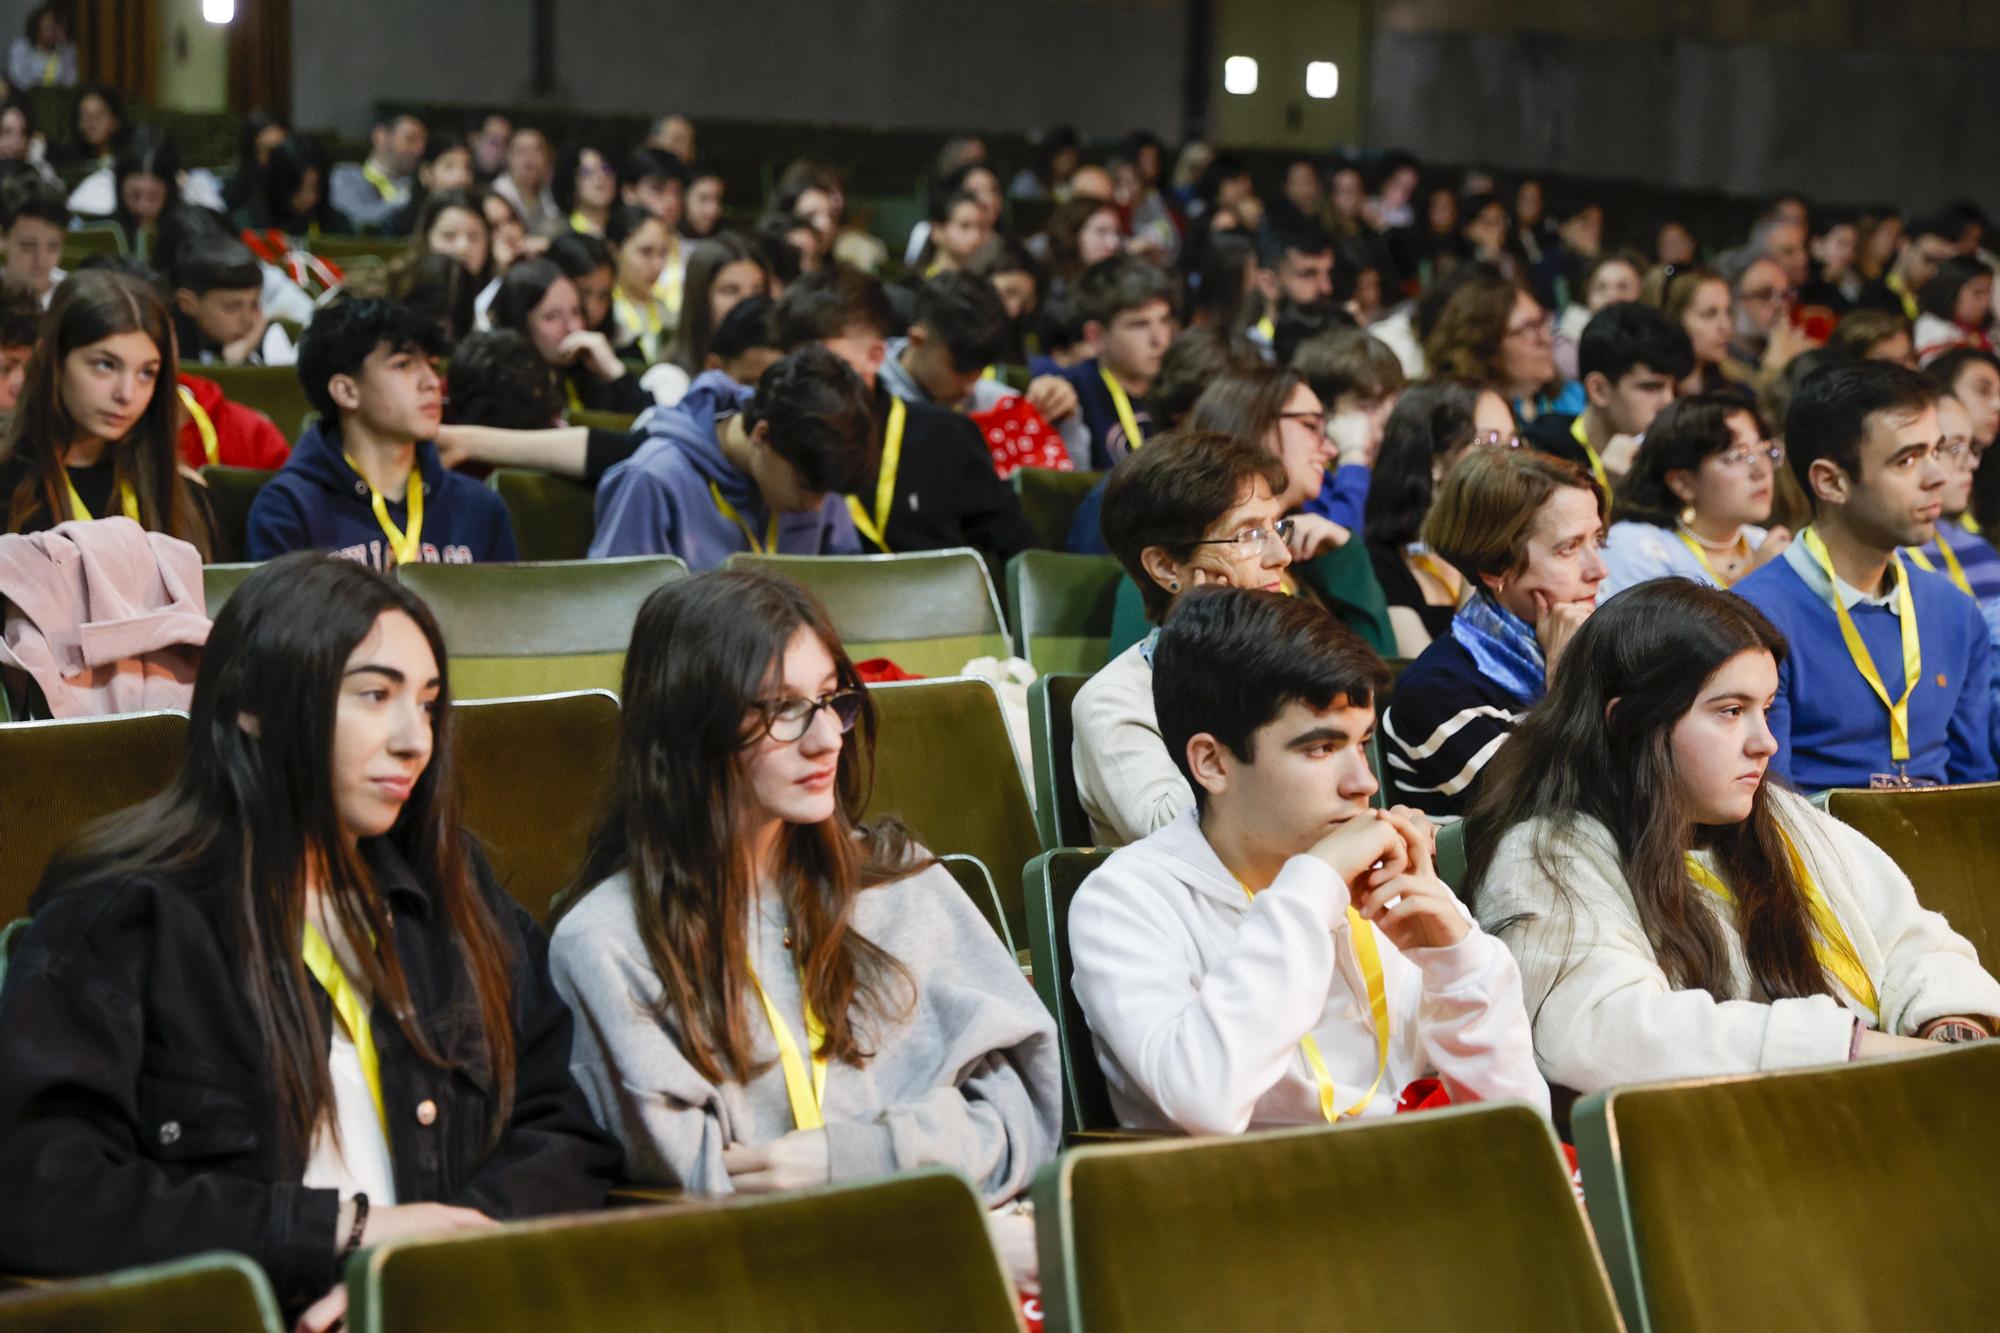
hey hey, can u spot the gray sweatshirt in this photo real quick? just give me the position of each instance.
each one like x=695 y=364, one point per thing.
x=969 y=1078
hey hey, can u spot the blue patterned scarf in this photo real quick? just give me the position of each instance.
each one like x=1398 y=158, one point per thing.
x=1503 y=647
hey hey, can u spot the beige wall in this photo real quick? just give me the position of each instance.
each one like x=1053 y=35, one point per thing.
x=1282 y=36
x=194 y=58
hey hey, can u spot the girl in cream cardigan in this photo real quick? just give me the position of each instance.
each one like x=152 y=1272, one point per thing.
x=1673 y=913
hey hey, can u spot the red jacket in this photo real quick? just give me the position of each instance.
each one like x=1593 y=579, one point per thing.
x=244 y=437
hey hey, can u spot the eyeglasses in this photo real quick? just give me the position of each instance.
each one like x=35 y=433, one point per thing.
x=1785 y=294
x=789 y=718
x=1740 y=459
x=1541 y=326
x=1960 y=453
x=1493 y=439
x=1251 y=541
x=1316 y=420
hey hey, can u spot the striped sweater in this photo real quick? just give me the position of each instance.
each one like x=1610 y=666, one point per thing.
x=1444 y=722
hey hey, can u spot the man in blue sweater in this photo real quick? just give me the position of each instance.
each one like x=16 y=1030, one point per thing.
x=364 y=482
x=1887 y=683
x=733 y=469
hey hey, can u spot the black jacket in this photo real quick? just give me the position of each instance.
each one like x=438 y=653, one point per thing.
x=137 y=1119
x=947 y=493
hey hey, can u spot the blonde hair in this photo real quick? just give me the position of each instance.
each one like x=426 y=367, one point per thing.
x=1486 y=508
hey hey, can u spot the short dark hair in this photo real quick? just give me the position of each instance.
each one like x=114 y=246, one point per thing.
x=1687 y=431
x=1230 y=660
x=1112 y=286
x=818 y=418
x=342 y=336
x=1626 y=335
x=827 y=304
x=652 y=164
x=208 y=263
x=498 y=379
x=388 y=117
x=1939 y=296
x=1348 y=360
x=1303 y=236
x=1829 y=414
x=1168 y=493
x=20 y=313
x=579 y=254
x=28 y=195
x=966 y=315
x=1299 y=322
x=1945 y=369
x=747 y=326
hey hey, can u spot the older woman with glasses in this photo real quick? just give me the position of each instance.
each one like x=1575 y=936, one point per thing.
x=1699 y=487
x=1492 y=329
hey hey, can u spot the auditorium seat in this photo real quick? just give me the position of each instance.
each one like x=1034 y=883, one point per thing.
x=57 y=777
x=537 y=628
x=1050 y=882
x=1061 y=609
x=1050 y=499
x=1853 y=1196
x=216 y=1293
x=1450 y=864
x=1059 y=814
x=535 y=774
x=554 y=517
x=1947 y=840
x=945 y=766
x=344 y=250
x=89 y=240
x=977 y=881
x=220 y=582
x=897 y=1255
x=613 y=421
x=273 y=390
x=230 y=492
x=1460 y=1218
x=929 y=612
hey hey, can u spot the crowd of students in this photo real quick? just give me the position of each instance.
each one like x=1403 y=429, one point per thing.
x=1652 y=547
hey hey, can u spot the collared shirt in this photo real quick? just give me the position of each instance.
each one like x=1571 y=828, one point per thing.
x=1808 y=569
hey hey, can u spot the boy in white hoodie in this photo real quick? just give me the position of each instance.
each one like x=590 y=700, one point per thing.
x=1284 y=954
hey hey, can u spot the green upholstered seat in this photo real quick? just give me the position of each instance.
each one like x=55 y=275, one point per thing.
x=977 y=881
x=56 y=777
x=81 y=243
x=273 y=390
x=1059 y=815
x=554 y=517
x=215 y=1293
x=537 y=628
x=895 y=1256
x=220 y=582
x=535 y=773
x=1947 y=840
x=1451 y=867
x=1849 y=1197
x=230 y=492
x=1050 y=499
x=618 y=421
x=945 y=766
x=929 y=612
x=1060 y=607
x=1461 y=1218
x=1049 y=882
x=346 y=249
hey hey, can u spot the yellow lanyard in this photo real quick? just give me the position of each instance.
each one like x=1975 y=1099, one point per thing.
x=379 y=178
x=1452 y=581
x=1369 y=955
x=1119 y=400
x=875 y=526
x=728 y=511
x=326 y=970
x=1267 y=329
x=1952 y=567
x=648 y=323
x=203 y=425
x=668 y=288
x=406 y=546
x=582 y=225
x=127 y=501
x=1913 y=661
x=1832 y=946
x=1576 y=433
x=807 y=1095
x=1971 y=524
x=52 y=71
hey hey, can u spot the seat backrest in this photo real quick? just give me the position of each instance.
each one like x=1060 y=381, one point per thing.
x=347 y=249
x=81 y=243
x=56 y=777
x=1451 y=867
x=230 y=493
x=536 y=773
x=977 y=881
x=1059 y=813
x=537 y=628
x=1049 y=882
x=273 y=390
x=945 y=766
x=1061 y=608
x=1767 y=1201
x=1947 y=840
x=907 y=1253
x=217 y=1293
x=220 y=582
x=554 y=517
x=615 y=421
x=1050 y=499
x=929 y=612
x=1453 y=1219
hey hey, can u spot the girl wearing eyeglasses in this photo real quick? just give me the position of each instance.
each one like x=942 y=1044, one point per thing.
x=1700 y=486
x=771 y=996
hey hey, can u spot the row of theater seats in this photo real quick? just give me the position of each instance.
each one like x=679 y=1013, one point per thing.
x=1858 y=1197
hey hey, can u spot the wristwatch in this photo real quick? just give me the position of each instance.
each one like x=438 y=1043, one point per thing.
x=1952 y=1031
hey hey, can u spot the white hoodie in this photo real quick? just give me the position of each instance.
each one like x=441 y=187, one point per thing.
x=1197 y=998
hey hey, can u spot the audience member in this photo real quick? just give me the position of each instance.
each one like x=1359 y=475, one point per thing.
x=538 y=301
x=721 y=271
x=43 y=56
x=1955 y=309
x=33 y=218
x=1128 y=323
x=1632 y=359
x=218 y=316
x=527 y=183
x=585 y=187
x=1878 y=335
x=1961 y=554
x=370 y=193
x=1493 y=330
x=1700 y=302
x=20 y=330
x=639 y=243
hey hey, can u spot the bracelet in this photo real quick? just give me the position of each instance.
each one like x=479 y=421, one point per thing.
x=354 y=1232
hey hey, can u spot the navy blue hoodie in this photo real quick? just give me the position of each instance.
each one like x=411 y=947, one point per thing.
x=318 y=503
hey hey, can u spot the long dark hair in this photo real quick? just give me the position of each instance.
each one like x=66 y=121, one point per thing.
x=252 y=813
x=148 y=152
x=1687 y=431
x=702 y=655
x=1599 y=746
x=705 y=262
x=1430 y=421
x=90 y=306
